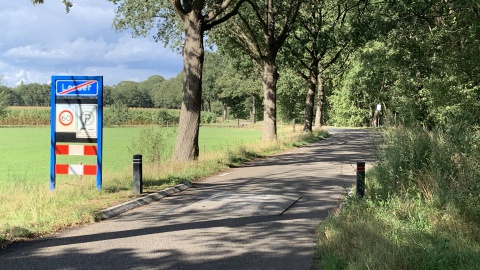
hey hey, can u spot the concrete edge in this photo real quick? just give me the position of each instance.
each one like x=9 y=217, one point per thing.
x=124 y=207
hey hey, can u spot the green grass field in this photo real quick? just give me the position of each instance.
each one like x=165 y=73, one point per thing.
x=26 y=151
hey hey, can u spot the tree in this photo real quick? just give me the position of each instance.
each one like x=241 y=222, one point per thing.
x=290 y=98
x=197 y=17
x=148 y=86
x=107 y=95
x=322 y=35
x=4 y=99
x=423 y=67
x=366 y=83
x=260 y=30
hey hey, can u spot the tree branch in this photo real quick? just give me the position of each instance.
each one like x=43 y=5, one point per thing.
x=256 y=9
x=177 y=6
x=250 y=42
x=289 y=22
x=210 y=19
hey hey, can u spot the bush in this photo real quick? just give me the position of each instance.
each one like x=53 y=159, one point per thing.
x=167 y=117
x=117 y=114
x=2 y=110
x=151 y=144
x=208 y=118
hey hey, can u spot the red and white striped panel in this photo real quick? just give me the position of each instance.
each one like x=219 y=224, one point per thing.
x=76 y=150
x=75 y=169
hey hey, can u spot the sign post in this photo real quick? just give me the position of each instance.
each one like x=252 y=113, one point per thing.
x=76 y=117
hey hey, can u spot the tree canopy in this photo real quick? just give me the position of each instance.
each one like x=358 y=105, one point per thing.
x=418 y=59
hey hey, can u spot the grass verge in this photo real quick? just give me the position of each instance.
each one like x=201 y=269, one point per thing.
x=420 y=210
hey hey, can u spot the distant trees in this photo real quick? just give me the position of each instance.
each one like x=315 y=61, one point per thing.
x=33 y=94
x=155 y=92
x=226 y=92
x=168 y=94
x=239 y=90
x=9 y=97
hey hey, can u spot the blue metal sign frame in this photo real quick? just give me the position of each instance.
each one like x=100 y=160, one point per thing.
x=76 y=90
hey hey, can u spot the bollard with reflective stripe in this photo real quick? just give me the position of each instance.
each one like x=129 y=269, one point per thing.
x=360 y=179
x=137 y=174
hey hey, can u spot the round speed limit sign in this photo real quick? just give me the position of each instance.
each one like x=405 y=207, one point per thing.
x=65 y=117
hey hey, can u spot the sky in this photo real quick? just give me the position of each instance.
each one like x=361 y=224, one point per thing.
x=39 y=41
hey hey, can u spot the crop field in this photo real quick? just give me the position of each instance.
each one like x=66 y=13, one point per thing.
x=25 y=151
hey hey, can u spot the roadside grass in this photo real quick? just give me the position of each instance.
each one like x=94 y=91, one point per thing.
x=29 y=209
x=397 y=234
x=421 y=209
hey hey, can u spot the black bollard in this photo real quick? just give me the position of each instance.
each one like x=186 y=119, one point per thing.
x=137 y=174
x=360 y=179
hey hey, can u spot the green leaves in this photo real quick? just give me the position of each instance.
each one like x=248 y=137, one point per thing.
x=146 y=17
x=68 y=4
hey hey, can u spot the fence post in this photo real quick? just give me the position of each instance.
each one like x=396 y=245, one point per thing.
x=360 y=179
x=137 y=174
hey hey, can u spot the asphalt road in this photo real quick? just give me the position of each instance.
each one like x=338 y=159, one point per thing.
x=262 y=215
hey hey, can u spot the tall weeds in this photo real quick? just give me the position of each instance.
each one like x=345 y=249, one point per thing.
x=432 y=165
x=421 y=210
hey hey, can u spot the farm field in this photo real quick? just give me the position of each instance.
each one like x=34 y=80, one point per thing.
x=25 y=151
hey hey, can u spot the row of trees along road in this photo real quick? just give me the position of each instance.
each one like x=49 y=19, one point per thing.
x=416 y=58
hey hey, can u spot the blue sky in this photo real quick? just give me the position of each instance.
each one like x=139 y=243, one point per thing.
x=40 y=41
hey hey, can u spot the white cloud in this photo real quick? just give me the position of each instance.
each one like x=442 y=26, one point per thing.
x=34 y=51
x=41 y=41
x=139 y=49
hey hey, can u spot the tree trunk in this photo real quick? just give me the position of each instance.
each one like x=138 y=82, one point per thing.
x=225 y=110
x=186 y=147
x=254 y=109
x=270 y=78
x=310 y=99
x=320 y=96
